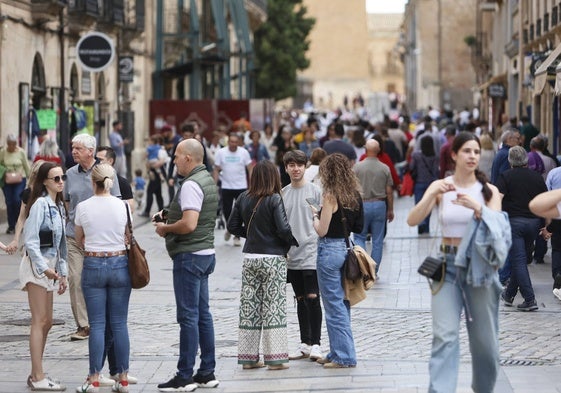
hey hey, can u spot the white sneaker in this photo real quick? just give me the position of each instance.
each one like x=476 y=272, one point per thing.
x=106 y=381
x=316 y=353
x=237 y=242
x=557 y=293
x=115 y=378
x=227 y=235
x=88 y=387
x=46 y=384
x=302 y=352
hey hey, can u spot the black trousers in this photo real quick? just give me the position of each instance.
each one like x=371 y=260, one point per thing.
x=228 y=198
x=305 y=283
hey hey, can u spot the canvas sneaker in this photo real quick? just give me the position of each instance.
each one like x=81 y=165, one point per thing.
x=302 y=352
x=237 y=242
x=46 y=384
x=121 y=387
x=206 y=381
x=88 y=387
x=557 y=293
x=115 y=378
x=106 y=381
x=315 y=353
x=227 y=235
x=178 y=384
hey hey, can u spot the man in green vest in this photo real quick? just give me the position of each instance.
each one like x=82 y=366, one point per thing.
x=189 y=233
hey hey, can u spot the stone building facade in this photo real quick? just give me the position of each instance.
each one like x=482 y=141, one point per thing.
x=437 y=59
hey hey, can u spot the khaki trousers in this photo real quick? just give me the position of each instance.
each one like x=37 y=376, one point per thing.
x=75 y=265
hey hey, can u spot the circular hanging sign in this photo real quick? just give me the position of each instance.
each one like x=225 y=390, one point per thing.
x=95 y=51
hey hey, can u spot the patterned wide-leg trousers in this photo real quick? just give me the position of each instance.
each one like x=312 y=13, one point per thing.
x=263 y=311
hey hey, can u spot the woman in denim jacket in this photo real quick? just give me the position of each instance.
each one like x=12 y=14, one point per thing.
x=43 y=270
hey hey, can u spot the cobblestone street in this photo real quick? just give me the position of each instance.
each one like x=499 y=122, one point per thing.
x=392 y=328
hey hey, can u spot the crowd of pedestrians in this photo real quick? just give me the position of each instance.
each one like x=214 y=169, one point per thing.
x=294 y=196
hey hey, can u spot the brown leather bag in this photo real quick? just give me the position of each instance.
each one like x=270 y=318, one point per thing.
x=138 y=265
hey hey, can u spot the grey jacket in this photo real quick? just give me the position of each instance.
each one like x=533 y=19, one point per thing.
x=484 y=247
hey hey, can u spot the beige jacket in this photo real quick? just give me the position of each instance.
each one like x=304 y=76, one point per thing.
x=355 y=291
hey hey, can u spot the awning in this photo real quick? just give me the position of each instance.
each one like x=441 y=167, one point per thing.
x=547 y=67
x=501 y=78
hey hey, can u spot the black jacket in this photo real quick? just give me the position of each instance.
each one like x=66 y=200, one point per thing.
x=269 y=232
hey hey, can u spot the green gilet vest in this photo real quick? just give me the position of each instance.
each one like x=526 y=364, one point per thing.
x=202 y=238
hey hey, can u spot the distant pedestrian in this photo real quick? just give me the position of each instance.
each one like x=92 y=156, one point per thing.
x=188 y=229
x=260 y=217
x=469 y=208
x=106 y=155
x=118 y=144
x=139 y=183
x=230 y=166
x=13 y=158
x=377 y=187
x=302 y=260
x=519 y=185
x=509 y=138
x=424 y=163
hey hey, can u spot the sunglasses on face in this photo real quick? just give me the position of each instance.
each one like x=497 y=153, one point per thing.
x=58 y=179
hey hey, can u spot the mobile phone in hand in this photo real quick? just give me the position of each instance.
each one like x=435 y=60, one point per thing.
x=312 y=202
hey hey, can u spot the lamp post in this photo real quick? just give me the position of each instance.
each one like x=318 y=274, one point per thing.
x=63 y=118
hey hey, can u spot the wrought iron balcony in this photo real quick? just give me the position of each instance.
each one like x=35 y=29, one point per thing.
x=46 y=9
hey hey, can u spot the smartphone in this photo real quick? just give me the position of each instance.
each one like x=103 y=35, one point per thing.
x=312 y=202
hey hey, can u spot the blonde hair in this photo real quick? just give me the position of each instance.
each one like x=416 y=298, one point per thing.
x=486 y=142
x=102 y=176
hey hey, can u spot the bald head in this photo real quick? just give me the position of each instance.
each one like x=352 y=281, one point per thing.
x=193 y=148
x=372 y=148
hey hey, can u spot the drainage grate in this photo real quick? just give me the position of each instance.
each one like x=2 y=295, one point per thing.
x=521 y=362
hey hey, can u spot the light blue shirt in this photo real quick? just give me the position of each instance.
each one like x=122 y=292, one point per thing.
x=553 y=181
x=43 y=215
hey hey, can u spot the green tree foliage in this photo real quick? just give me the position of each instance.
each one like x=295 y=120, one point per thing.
x=280 y=45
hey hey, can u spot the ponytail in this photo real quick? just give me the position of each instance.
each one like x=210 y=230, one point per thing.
x=486 y=190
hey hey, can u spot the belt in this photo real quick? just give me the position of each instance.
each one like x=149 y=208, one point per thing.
x=448 y=249
x=104 y=254
x=374 y=199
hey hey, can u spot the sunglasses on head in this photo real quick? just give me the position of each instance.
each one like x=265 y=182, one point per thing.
x=58 y=179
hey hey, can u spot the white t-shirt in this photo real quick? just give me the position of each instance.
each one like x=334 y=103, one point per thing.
x=233 y=166
x=103 y=219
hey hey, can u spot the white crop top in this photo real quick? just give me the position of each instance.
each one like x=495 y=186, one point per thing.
x=455 y=218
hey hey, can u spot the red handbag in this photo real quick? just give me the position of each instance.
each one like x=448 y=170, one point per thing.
x=407 y=185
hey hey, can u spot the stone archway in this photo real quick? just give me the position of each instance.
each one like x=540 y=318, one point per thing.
x=38 y=82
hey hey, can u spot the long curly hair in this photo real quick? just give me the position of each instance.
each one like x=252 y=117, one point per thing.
x=339 y=180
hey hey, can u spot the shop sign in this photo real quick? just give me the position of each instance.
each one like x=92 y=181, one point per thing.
x=95 y=51
x=497 y=90
x=126 y=68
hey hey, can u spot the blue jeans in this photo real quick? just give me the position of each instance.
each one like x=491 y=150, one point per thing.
x=107 y=287
x=481 y=305
x=337 y=311
x=12 y=194
x=374 y=223
x=418 y=192
x=190 y=285
x=523 y=235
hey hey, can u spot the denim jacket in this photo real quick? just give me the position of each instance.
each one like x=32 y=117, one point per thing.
x=484 y=247
x=40 y=218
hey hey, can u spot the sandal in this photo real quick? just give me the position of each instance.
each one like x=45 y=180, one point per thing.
x=251 y=366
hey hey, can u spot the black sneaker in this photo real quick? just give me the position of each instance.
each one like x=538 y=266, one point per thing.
x=206 y=381
x=507 y=301
x=528 y=306
x=557 y=281
x=178 y=384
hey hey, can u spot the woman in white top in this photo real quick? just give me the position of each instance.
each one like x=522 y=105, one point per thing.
x=460 y=198
x=100 y=226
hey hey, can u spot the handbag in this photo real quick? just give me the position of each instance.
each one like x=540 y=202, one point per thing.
x=12 y=177
x=46 y=237
x=433 y=268
x=351 y=268
x=138 y=265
